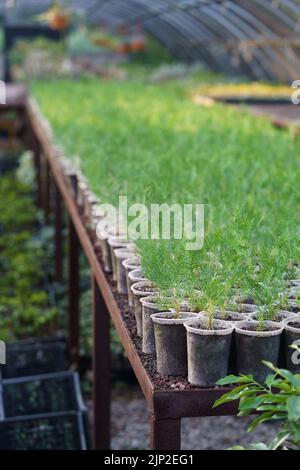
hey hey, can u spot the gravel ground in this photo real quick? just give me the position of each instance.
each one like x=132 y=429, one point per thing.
x=130 y=428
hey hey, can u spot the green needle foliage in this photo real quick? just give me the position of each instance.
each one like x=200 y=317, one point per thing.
x=25 y=309
x=151 y=143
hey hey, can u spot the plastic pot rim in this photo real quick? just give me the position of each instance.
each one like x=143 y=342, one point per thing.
x=134 y=277
x=160 y=320
x=134 y=288
x=279 y=327
x=127 y=263
x=227 y=330
x=294 y=318
x=121 y=252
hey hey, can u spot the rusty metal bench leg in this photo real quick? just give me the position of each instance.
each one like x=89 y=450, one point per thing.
x=58 y=234
x=73 y=293
x=101 y=371
x=165 y=433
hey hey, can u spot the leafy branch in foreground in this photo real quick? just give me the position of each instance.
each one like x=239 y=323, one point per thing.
x=277 y=399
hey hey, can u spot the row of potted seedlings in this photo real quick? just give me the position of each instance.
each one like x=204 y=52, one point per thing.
x=205 y=346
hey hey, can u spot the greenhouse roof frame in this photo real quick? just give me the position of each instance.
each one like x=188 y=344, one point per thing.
x=257 y=38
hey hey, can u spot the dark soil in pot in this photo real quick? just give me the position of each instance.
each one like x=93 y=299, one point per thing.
x=244 y=308
x=171 y=342
x=294 y=292
x=243 y=300
x=150 y=305
x=138 y=291
x=184 y=306
x=121 y=254
x=208 y=351
x=227 y=315
x=132 y=263
x=254 y=346
x=292 y=336
x=294 y=306
x=280 y=316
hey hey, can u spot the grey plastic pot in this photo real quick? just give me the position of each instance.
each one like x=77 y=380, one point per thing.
x=171 y=341
x=90 y=201
x=254 y=346
x=136 y=275
x=294 y=292
x=114 y=243
x=106 y=255
x=71 y=178
x=292 y=337
x=281 y=315
x=121 y=254
x=140 y=290
x=82 y=190
x=208 y=351
x=246 y=308
x=294 y=306
x=295 y=282
x=104 y=246
x=149 y=307
x=133 y=249
x=184 y=307
x=130 y=264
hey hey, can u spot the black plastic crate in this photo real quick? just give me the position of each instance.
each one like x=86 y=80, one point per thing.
x=48 y=393
x=54 y=431
x=26 y=358
x=8 y=164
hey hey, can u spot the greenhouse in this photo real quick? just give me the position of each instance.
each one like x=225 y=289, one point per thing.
x=149 y=227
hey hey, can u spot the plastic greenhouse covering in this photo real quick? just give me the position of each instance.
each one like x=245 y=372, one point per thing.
x=257 y=38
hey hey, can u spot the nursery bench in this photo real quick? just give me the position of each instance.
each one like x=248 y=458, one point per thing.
x=166 y=405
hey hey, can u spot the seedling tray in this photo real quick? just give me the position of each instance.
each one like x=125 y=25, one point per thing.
x=48 y=393
x=27 y=358
x=52 y=431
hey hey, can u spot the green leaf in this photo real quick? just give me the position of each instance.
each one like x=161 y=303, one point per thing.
x=282 y=386
x=270 y=380
x=251 y=403
x=234 y=379
x=279 y=440
x=275 y=398
x=294 y=379
x=260 y=419
x=297 y=431
x=244 y=412
x=233 y=395
x=274 y=408
x=293 y=408
x=237 y=448
x=259 y=446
